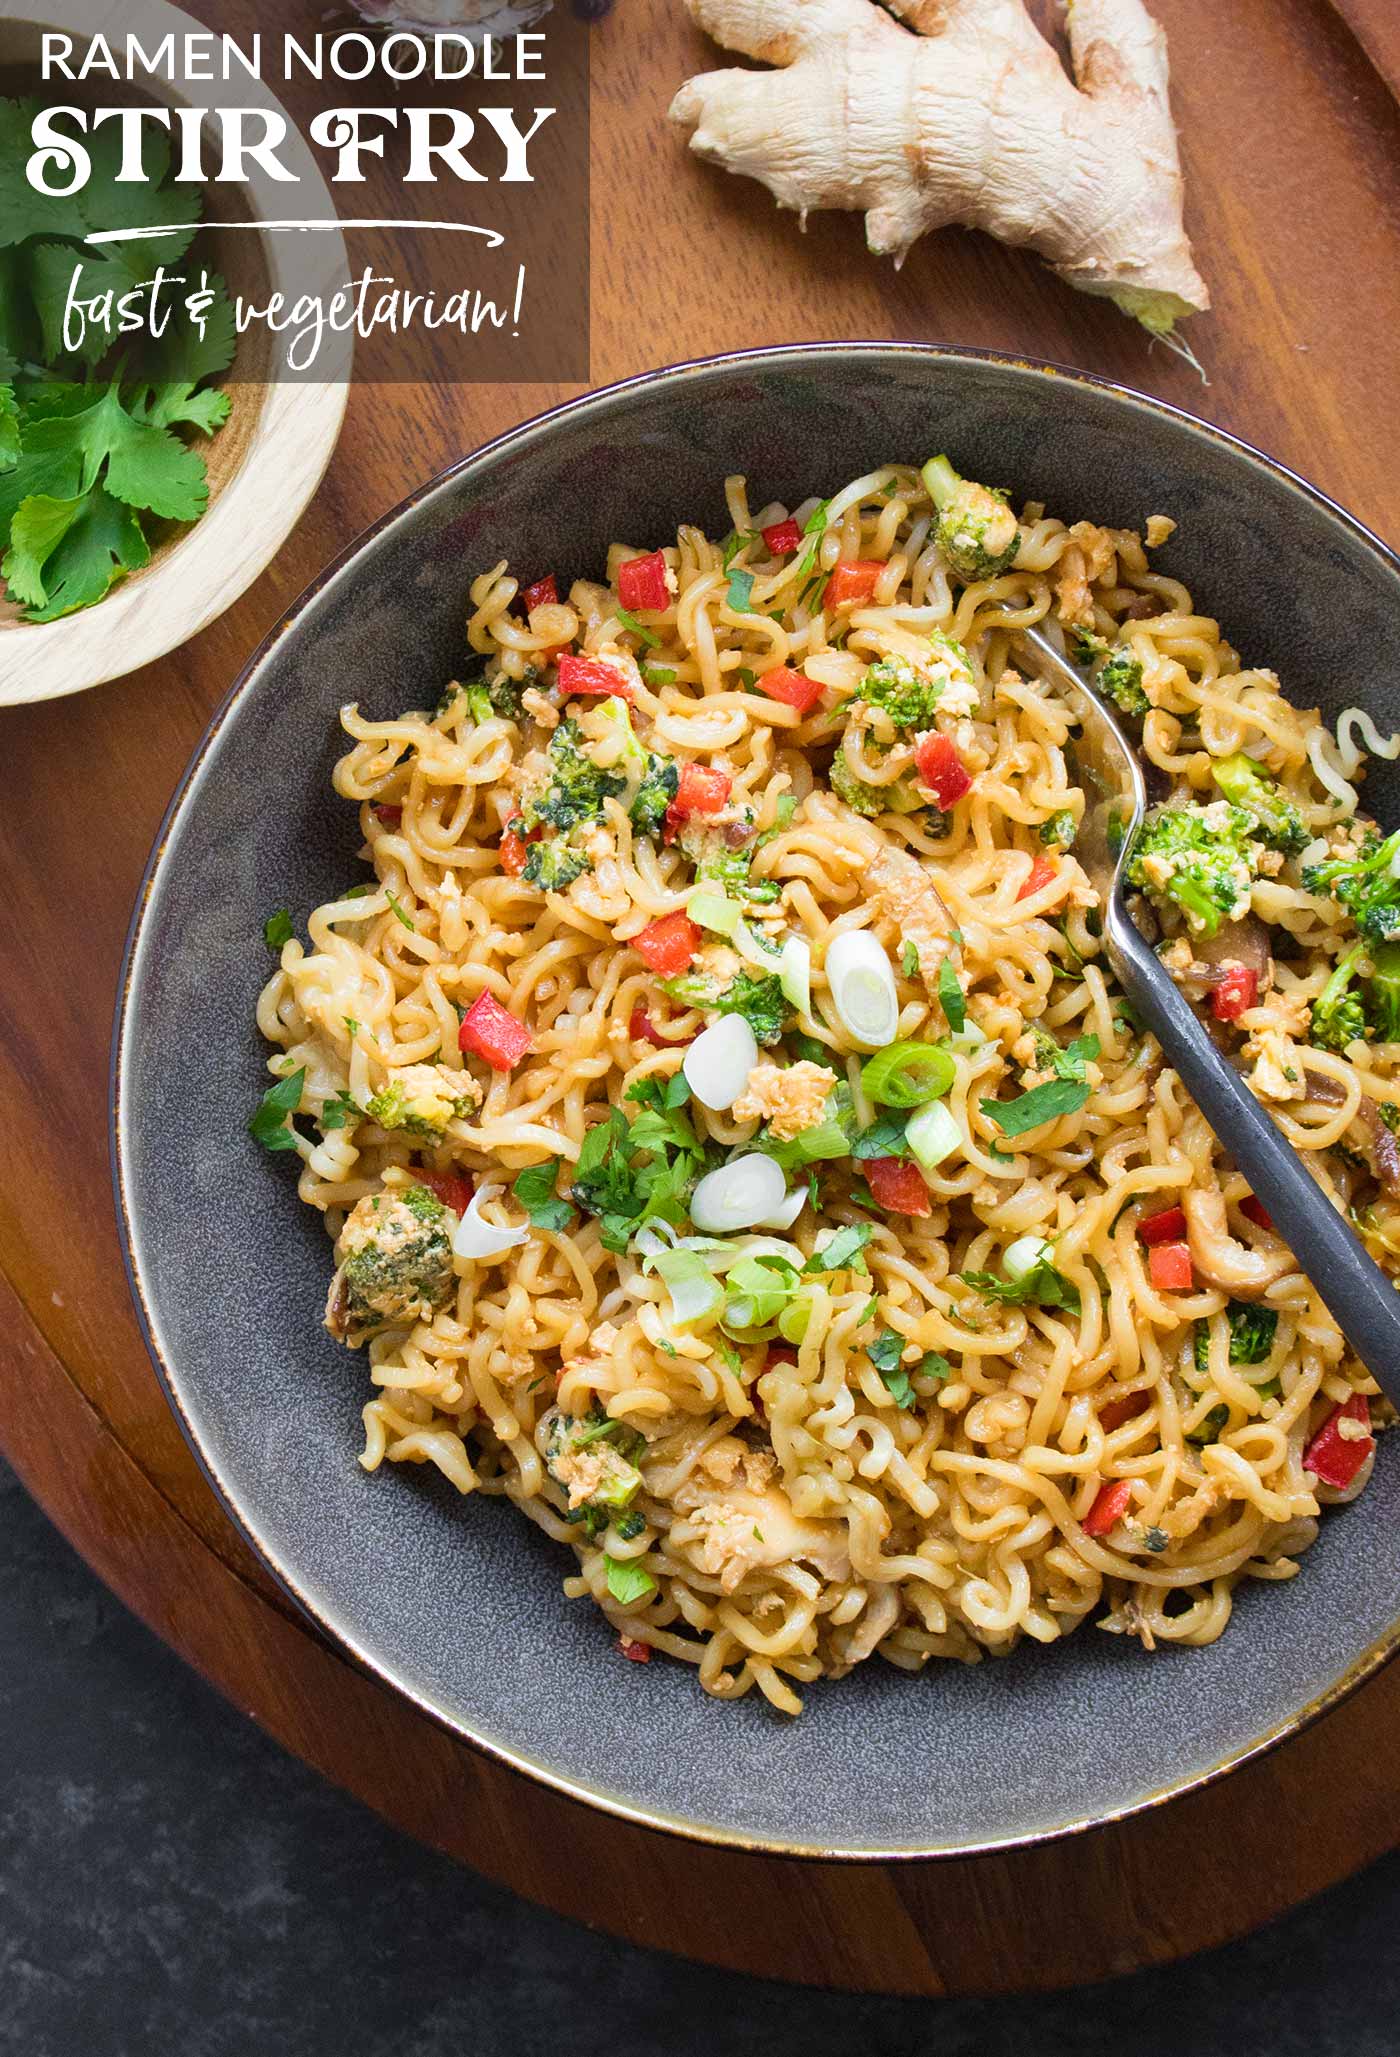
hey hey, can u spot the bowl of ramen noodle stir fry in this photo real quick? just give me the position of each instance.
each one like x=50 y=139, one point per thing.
x=731 y=1147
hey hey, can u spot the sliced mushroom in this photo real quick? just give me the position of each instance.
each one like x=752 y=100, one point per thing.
x=1246 y=1273
x=1383 y=1150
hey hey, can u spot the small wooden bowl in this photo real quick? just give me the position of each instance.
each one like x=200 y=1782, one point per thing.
x=267 y=460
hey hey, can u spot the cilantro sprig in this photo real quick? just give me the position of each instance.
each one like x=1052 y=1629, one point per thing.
x=1065 y=1093
x=89 y=454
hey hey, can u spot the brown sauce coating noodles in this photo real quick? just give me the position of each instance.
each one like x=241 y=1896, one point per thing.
x=794 y=1517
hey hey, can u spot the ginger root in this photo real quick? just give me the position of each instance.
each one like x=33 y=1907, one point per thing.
x=970 y=118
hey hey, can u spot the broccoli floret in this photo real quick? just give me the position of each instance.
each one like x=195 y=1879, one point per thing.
x=901 y=796
x=977 y=531
x=489 y=692
x=722 y=852
x=1338 y=1012
x=654 y=795
x=395 y=1256
x=1060 y=830
x=554 y=866
x=1252 y=1331
x=421 y=1100
x=1383 y=992
x=1120 y=679
x=1248 y=785
x=594 y=1458
x=1197 y=857
x=1365 y=884
x=909 y=692
x=576 y=787
x=650 y=782
x=761 y=1001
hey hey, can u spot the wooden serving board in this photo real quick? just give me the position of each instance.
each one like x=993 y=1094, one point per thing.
x=1292 y=149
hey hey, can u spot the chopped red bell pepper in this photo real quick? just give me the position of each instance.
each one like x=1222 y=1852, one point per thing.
x=942 y=770
x=1109 y=1508
x=1254 y=1210
x=793 y=688
x=514 y=845
x=1170 y=1269
x=593 y=677
x=451 y=1188
x=390 y=816
x=1167 y=1227
x=543 y=593
x=702 y=790
x=1237 y=990
x=1333 y=1458
x=641 y=584
x=642 y=1029
x=489 y=1032
x=852 y=580
x=668 y=945
x=1038 y=877
x=782 y=538
x=898 y=1185
x=1115 y=1412
x=632 y=1648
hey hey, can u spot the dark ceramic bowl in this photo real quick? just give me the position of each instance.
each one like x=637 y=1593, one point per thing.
x=457 y=1603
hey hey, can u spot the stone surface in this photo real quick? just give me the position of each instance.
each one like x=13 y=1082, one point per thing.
x=170 y=1881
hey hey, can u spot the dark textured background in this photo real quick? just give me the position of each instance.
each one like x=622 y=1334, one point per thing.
x=172 y=1883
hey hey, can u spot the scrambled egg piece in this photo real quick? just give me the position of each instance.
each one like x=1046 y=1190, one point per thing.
x=904 y=894
x=1278 y=1066
x=790 y=1099
x=1089 y=556
x=735 y=1530
x=395 y=1264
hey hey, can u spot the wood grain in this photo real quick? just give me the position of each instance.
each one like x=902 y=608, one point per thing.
x=1292 y=147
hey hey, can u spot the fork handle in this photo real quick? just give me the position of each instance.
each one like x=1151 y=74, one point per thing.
x=1352 y=1286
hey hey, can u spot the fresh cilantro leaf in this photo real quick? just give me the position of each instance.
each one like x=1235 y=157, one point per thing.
x=885 y=1138
x=650 y=640
x=886 y=1354
x=735 y=541
x=845 y=1250
x=950 y=997
x=909 y=960
x=340 y=1112
x=70 y=552
x=628 y=1580
x=176 y=402
x=869 y=1311
x=534 y=1188
x=740 y=593
x=277 y=929
x=1042 y=1286
x=269 y=1125
x=1043 y=1103
x=9 y=428
x=932 y=1365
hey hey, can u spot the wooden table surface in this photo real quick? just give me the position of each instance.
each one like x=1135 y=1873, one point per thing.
x=1292 y=151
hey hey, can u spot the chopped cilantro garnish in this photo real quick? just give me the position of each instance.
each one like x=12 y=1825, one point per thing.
x=649 y=639
x=269 y=1125
x=535 y=1189
x=628 y=1580
x=277 y=929
x=340 y=1112
x=844 y=1252
x=950 y=997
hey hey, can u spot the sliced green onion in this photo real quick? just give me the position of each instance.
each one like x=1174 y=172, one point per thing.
x=722 y=1255
x=862 y=988
x=759 y=1289
x=795 y=973
x=1025 y=1255
x=908 y=1074
x=794 y=1319
x=694 y=1289
x=933 y=1134
x=714 y=911
x=718 y=1062
x=785 y=1215
x=739 y=1195
x=969 y=1038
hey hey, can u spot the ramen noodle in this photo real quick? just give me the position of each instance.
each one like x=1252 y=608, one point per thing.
x=737 y=1151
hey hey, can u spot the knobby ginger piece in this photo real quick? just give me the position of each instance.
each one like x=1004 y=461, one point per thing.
x=969 y=119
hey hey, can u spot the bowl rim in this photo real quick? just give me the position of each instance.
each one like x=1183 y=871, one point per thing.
x=345 y=1639
x=290 y=440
